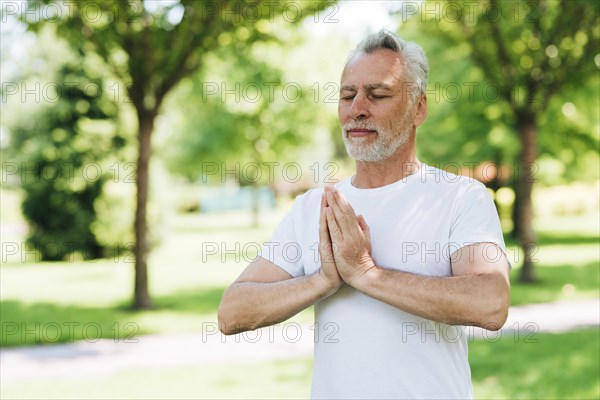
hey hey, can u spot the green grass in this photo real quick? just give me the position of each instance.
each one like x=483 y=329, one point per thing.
x=567 y=265
x=555 y=283
x=47 y=322
x=546 y=366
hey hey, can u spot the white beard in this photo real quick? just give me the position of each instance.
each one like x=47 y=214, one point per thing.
x=380 y=148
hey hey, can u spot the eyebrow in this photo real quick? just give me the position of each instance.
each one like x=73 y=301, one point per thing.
x=368 y=87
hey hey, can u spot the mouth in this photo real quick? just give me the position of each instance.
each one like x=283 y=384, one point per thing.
x=360 y=132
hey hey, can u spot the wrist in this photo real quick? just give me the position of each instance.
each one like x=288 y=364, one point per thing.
x=324 y=286
x=371 y=274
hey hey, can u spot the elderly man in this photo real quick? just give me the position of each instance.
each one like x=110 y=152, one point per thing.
x=407 y=254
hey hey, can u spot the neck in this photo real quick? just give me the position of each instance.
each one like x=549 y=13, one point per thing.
x=398 y=166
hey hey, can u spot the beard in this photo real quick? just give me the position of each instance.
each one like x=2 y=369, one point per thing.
x=382 y=147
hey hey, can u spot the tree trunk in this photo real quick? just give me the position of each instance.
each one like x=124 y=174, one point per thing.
x=141 y=294
x=528 y=130
x=496 y=182
x=515 y=215
x=255 y=206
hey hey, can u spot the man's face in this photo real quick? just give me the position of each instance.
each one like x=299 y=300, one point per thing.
x=375 y=108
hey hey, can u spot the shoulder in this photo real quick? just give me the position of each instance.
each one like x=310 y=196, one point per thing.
x=449 y=182
x=310 y=195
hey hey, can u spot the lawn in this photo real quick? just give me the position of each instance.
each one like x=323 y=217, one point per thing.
x=551 y=366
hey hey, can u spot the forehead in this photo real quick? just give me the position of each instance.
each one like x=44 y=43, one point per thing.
x=381 y=66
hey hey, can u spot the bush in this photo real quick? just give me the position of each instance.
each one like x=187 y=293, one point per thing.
x=61 y=150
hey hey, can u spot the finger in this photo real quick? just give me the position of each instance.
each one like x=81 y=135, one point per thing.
x=324 y=198
x=345 y=206
x=334 y=230
x=344 y=212
x=363 y=225
x=326 y=248
x=323 y=230
x=334 y=202
x=337 y=210
x=366 y=231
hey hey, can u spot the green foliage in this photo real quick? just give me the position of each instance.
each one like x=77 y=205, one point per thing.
x=570 y=136
x=151 y=46
x=499 y=59
x=240 y=110
x=59 y=150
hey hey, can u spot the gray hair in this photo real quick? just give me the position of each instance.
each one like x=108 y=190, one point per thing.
x=412 y=56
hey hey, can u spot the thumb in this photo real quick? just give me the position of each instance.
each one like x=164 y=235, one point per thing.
x=366 y=231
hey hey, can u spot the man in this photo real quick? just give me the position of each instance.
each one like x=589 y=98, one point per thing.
x=407 y=254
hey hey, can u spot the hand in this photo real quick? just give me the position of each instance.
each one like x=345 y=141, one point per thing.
x=350 y=237
x=328 y=270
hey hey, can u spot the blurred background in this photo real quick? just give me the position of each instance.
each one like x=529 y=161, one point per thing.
x=149 y=148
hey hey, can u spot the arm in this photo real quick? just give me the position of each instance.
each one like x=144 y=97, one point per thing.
x=476 y=294
x=265 y=294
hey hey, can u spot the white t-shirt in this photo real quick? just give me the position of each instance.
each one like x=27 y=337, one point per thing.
x=365 y=348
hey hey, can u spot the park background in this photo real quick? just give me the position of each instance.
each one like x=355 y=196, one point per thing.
x=150 y=148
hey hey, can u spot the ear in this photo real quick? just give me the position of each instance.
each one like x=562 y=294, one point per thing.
x=421 y=110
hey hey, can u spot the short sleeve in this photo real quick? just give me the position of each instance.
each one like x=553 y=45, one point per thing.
x=283 y=248
x=475 y=218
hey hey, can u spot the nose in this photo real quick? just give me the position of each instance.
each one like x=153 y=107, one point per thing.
x=359 y=109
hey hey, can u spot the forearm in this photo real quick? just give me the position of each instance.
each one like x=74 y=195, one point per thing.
x=252 y=305
x=480 y=300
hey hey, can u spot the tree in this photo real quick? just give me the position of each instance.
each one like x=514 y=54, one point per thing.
x=531 y=52
x=151 y=47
